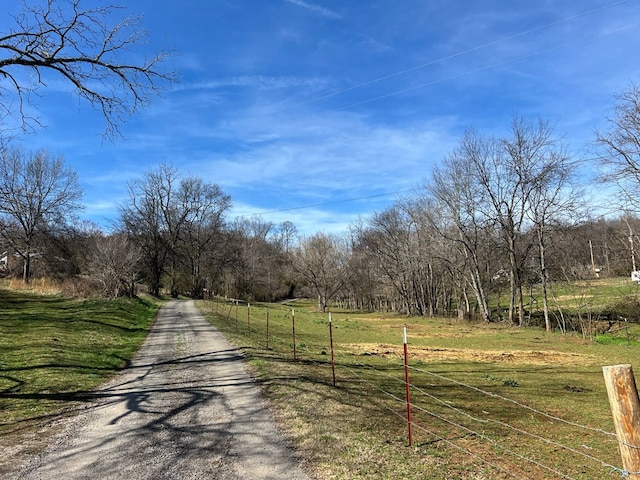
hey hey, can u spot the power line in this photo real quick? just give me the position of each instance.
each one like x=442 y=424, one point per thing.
x=465 y=52
x=336 y=202
x=478 y=70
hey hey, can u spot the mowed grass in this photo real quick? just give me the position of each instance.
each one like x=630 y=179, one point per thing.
x=488 y=401
x=54 y=351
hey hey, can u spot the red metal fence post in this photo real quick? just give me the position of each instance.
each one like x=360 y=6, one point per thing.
x=293 y=327
x=407 y=387
x=333 y=363
x=267 y=328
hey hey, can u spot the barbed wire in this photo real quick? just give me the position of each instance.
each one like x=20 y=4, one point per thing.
x=483 y=435
x=449 y=442
x=444 y=403
x=302 y=334
x=515 y=402
x=511 y=427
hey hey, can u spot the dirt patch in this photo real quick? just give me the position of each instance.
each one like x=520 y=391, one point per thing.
x=427 y=354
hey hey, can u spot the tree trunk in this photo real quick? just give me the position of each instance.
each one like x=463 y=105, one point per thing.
x=26 y=271
x=543 y=279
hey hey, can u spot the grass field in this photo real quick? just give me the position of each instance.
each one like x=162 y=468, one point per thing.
x=488 y=401
x=54 y=351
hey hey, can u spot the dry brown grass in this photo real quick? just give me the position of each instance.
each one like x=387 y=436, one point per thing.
x=429 y=354
x=72 y=287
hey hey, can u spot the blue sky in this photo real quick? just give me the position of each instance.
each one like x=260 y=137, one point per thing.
x=323 y=111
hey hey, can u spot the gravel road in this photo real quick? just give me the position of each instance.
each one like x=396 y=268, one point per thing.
x=186 y=408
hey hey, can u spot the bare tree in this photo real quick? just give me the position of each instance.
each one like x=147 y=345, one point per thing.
x=142 y=219
x=524 y=164
x=206 y=205
x=320 y=262
x=392 y=241
x=619 y=147
x=38 y=192
x=84 y=46
x=554 y=203
x=460 y=215
x=171 y=218
x=115 y=264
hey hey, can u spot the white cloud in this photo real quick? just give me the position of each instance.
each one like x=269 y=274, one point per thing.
x=259 y=82
x=325 y=12
x=307 y=220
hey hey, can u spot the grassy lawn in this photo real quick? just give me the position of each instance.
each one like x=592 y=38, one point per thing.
x=54 y=351
x=489 y=401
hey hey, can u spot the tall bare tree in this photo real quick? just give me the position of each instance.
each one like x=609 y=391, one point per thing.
x=38 y=192
x=320 y=263
x=205 y=204
x=172 y=219
x=460 y=215
x=619 y=147
x=88 y=47
x=555 y=202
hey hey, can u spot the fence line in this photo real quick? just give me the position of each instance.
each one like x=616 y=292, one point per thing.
x=447 y=405
x=485 y=421
x=300 y=334
x=515 y=402
x=511 y=427
x=457 y=425
x=401 y=416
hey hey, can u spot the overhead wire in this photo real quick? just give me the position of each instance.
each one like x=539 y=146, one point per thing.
x=478 y=70
x=467 y=51
x=336 y=202
x=448 y=78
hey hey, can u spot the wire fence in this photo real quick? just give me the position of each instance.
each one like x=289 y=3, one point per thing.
x=507 y=435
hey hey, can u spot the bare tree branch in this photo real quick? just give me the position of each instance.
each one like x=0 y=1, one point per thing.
x=79 y=44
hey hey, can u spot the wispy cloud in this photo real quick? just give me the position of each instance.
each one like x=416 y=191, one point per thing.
x=314 y=103
x=260 y=82
x=320 y=10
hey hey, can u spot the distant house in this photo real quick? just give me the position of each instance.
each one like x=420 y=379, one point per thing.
x=4 y=261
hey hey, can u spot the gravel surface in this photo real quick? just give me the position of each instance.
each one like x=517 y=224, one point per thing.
x=186 y=408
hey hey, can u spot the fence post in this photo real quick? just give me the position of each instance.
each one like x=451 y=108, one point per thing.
x=267 y=327
x=333 y=363
x=293 y=327
x=230 y=309
x=248 y=318
x=625 y=407
x=407 y=387
x=236 y=316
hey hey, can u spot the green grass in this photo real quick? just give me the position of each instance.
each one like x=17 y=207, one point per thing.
x=617 y=296
x=54 y=351
x=356 y=429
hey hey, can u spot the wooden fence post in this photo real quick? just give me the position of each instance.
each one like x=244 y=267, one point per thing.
x=625 y=407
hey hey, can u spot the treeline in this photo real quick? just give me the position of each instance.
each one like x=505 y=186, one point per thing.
x=499 y=218
x=486 y=225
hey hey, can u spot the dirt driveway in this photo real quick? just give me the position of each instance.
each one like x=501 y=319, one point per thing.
x=186 y=409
